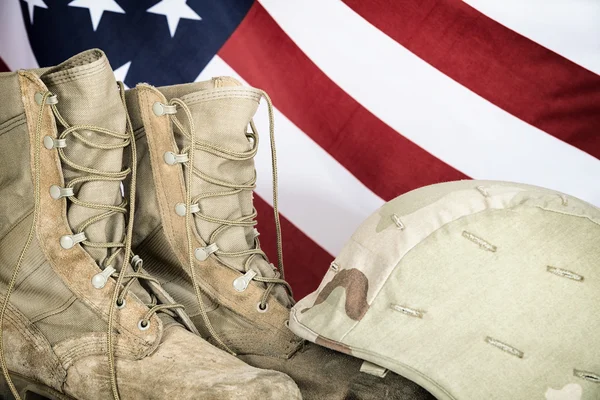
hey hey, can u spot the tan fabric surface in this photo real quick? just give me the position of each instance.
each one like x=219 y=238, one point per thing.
x=476 y=289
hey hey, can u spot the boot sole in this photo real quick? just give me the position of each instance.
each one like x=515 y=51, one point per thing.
x=29 y=390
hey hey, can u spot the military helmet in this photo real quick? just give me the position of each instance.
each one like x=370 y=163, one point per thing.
x=472 y=289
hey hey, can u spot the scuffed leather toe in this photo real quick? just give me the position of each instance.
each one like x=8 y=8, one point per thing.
x=185 y=367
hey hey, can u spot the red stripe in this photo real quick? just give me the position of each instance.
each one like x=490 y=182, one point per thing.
x=516 y=74
x=306 y=262
x=383 y=160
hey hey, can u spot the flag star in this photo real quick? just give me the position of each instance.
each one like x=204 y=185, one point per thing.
x=97 y=8
x=174 y=10
x=33 y=3
x=121 y=73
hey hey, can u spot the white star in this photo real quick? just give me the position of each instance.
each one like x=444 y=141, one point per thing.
x=174 y=10
x=31 y=4
x=121 y=73
x=97 y=8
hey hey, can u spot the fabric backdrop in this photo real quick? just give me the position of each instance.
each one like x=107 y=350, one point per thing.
x=373 y=98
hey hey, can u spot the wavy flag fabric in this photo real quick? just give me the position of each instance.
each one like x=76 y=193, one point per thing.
x=373 y=98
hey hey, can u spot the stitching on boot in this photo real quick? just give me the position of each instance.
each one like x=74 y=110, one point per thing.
x=96 y=347
x=18 y=325
x=14 y=226
x=408 y=311
x=57 y=371
x=139 y=132
x=223 y=93
x=588 y=376
x=84 y=58
x=31 y=332
x=504 y=347
x=173 y=188
x=70 y=75
x=191 y=99
x=563 y=273
x=58 y=310
x=219 y=81
x=29 y=82
x=157 y=176
x=24 y=277
x=479 y=241
x=12 y=123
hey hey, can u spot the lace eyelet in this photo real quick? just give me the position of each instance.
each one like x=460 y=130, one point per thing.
x=50 y=100
x=180 y=209
x=287 y=323
x=122 y=305
x=69 y=241
x=100 y=279
x=51 y=143
x=161 y=109
x=241 y=283
x=171 y=158
x=57 y=192
x=202 y=253
x=260 y=309
x=144 y=324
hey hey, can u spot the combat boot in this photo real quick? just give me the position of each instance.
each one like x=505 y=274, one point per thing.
x=196 y=233
x=80 y=318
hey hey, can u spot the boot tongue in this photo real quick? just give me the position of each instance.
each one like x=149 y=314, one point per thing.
x=88 y=95
x=222 y=119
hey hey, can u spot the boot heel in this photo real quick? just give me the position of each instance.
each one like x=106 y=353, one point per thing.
x=28 y=390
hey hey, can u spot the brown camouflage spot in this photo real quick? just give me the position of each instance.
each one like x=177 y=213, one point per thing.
x=356 y=285
x=333 y=345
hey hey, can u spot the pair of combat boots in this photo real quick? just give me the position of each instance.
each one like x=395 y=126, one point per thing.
x=129 y=263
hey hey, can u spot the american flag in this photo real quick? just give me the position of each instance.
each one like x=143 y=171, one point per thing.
x=373 y=98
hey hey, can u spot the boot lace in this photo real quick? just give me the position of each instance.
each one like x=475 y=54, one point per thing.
x=192 y=205
x=124 y=279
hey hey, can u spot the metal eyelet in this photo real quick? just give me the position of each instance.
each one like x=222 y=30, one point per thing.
x=122 y=305
x=144 y=324
x=262 y=310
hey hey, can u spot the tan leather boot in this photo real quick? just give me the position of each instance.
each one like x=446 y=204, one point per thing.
x=80 y=318
x=204 y=218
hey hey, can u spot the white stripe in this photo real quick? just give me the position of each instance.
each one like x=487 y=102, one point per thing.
x=570 y=28
x=426 y=106
x=15 y=50
x=316 y=193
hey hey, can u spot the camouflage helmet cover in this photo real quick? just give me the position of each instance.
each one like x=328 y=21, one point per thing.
x=473 y=289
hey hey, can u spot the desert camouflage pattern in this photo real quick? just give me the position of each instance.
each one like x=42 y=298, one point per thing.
x=472 y=289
